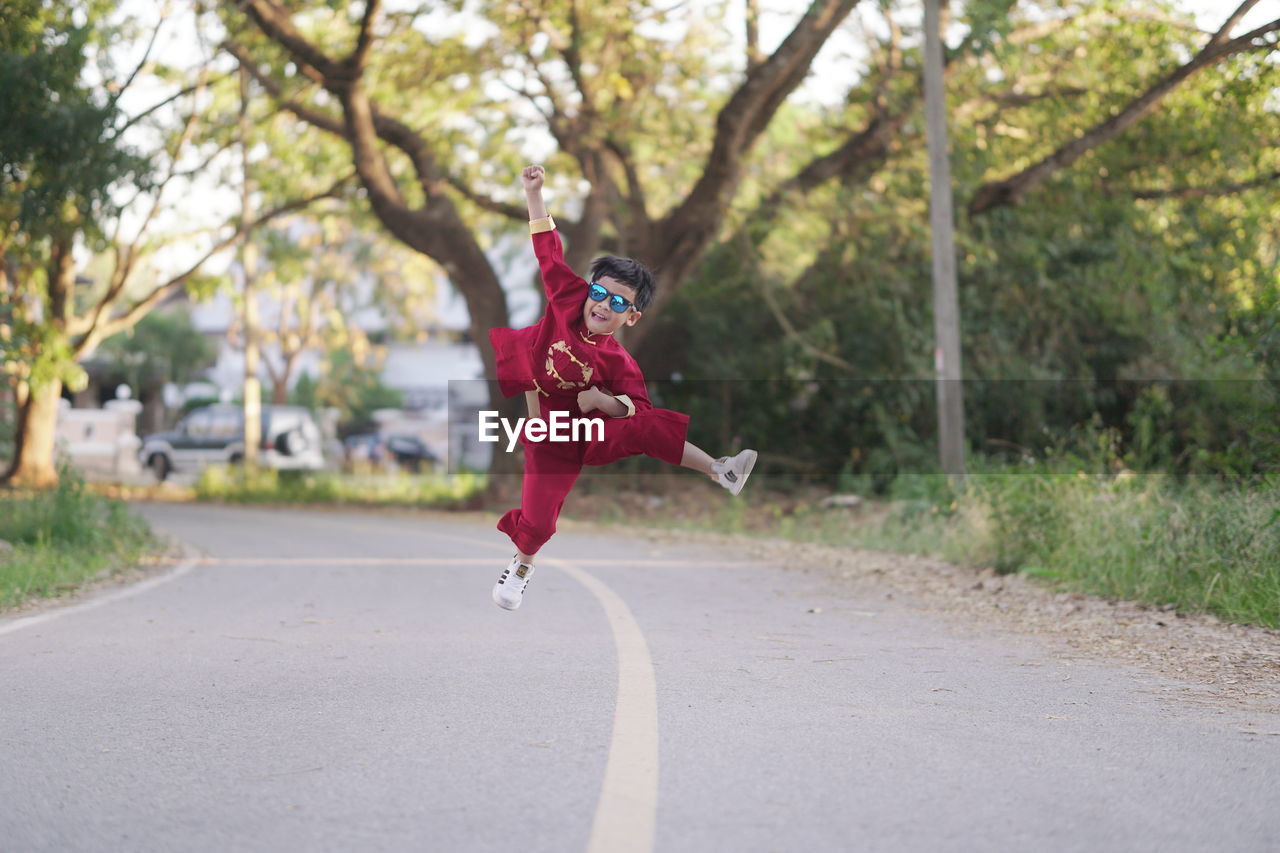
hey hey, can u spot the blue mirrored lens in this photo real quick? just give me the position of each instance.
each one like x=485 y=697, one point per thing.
x=618 y=304
x=597 y=293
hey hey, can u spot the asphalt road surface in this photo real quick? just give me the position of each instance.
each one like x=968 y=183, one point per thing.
x=342 y=681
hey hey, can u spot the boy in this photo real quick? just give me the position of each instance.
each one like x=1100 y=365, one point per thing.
x=569 y=361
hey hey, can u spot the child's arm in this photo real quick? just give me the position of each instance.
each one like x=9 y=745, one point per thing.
x=533 y=177
x=594 y=398
x=562 y=284
x=627 y=393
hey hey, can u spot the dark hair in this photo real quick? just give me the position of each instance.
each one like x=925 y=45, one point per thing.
x=629 y=272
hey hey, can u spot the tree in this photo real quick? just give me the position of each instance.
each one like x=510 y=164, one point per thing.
x=162 y=347
x=60 y=161
x=350 y=382
x=71 y=181
x=658 y=178
x=1219 y=47
x=325 y=276
x=1151 y=257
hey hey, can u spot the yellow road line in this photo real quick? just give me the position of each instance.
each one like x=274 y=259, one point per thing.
x=436 y=561
x=627 y=809
x=628 y=806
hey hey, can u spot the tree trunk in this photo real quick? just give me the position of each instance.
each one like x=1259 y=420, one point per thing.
x=33 y=465
x=280 y=391
x=33 y=449
x=152 y=417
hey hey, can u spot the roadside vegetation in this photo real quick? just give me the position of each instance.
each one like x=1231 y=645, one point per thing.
x=1197 y=543
x=264 y=485
x=63 y=537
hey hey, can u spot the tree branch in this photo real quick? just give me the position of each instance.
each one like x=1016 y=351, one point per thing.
x=1224 y=32
x=637 y=204
x=1012 y=190
x=363 y=121
x=360 y=56
x=510 y=211
x=784 y=322
x=311 y=116
x=126 y=256
x=142 y=63
x=689 y=226
x=573 y=58
x=92 y=331
x=1203 y=192
x=277 y=26
x=754 y=54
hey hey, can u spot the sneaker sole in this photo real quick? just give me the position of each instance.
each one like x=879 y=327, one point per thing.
x=746 y=472
x=498 y=601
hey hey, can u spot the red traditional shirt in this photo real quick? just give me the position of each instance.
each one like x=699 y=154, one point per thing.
x=557 y=356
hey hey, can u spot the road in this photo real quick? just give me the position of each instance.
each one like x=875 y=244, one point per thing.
x=342 y=681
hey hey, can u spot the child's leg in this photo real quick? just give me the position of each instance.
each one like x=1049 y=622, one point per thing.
x=659 y=433
x=550 y=471
x=696 y=458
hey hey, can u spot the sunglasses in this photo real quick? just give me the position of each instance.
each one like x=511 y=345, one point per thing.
x=616 y=302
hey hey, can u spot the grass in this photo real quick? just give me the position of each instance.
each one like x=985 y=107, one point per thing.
x=64 y=537
x=1198 y=544
x=264 y=485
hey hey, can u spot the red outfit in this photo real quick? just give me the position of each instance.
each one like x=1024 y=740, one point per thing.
x=558 y=357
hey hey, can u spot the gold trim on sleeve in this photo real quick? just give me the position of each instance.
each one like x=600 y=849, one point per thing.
x=626 y=401
x=538 y=226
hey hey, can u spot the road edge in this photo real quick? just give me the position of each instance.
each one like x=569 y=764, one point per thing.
x=190 y=558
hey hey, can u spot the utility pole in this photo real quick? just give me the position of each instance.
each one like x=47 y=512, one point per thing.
x=946 y=311
x=252 y=385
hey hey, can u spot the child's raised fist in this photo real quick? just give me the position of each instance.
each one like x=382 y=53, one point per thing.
x=532 y=176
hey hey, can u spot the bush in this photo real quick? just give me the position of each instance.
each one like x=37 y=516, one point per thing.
x=239 y=484
x=64 y=537
x=1197 y=544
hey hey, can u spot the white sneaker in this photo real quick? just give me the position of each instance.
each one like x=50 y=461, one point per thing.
x=508 y=592
x=732 y=471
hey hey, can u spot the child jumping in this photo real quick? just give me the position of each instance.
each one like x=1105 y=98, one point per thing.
x=570 y=362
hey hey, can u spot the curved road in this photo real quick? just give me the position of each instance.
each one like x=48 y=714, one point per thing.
x=342 y=681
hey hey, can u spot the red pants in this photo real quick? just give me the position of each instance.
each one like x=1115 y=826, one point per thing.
x=551 y=468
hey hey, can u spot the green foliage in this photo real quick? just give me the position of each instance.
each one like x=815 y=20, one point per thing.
x=63 y=537
x=45 y=355
x=1087 y=313
x=59 y=153
x=1198 y=545
x=162 y=347
x=354 y=388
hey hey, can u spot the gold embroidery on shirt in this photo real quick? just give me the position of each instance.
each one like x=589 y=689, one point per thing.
x=561 y=382
x=539 y=387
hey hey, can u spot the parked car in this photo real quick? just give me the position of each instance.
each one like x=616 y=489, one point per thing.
x=291 y=440
x=363 y=449
x=408 y=451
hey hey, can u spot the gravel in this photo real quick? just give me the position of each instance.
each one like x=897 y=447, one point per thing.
x=1218 y=662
